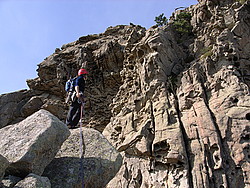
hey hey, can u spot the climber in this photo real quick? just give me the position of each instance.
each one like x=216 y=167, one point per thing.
x=74 y=112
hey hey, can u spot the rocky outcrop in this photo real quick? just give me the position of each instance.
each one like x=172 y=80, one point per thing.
x=11 y=104
x=190 y=128
x=32 y=144
x=103 y=56
x=145 y=125
x=100 y=161
x=17 y=106
x=33 y=181
x=212 y=100
x=173 y=100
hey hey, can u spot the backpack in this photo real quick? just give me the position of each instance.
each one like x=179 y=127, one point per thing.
x=69 y=86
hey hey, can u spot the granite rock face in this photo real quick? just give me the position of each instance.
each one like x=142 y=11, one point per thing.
x=174 y=101
x=192 y=126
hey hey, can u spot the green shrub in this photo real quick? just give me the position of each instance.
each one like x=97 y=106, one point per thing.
x=206 y=52
x=161 y=20
x=182 y=23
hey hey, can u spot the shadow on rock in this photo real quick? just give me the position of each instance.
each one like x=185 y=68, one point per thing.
x=66 y=172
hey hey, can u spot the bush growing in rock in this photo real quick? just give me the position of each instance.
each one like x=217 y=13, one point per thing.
x=182 y=23
x=161 y=20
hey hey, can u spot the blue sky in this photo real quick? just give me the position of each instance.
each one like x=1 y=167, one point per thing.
x=32 y=29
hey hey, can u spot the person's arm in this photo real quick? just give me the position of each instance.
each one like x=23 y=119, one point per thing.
x=77 y=89
x=80 y=84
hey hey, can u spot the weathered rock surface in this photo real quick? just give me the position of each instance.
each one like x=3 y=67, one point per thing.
x=11 y=105
x=10 y=181
x=32 y=144
x=174 y=101
x=17 y=106
x=103 y=56
x=193 y=129
x=33 y=181
x=145 y=121
x=4 y=163
x=100 y=162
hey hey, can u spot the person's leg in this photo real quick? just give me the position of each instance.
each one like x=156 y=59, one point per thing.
x=71 y=113
x=76 y=116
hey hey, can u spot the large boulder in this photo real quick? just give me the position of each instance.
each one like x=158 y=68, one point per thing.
x=32 y=144
x=101 y=161
x=4 y=163
x=34 y=181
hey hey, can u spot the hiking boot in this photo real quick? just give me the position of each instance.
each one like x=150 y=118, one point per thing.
x=71 y=127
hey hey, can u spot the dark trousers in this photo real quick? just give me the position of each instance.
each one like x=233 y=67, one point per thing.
x=74 y=114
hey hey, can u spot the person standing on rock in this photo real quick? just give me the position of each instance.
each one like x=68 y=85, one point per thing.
x=74 y=113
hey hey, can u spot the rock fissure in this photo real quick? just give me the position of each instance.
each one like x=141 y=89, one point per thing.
x=186 y=145
x=222 y=156
x=223 y=144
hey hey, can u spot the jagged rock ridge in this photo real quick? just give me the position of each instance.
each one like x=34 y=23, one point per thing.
x=175 y=103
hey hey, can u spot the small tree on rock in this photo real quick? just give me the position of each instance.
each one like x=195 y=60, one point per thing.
x=161 y=20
